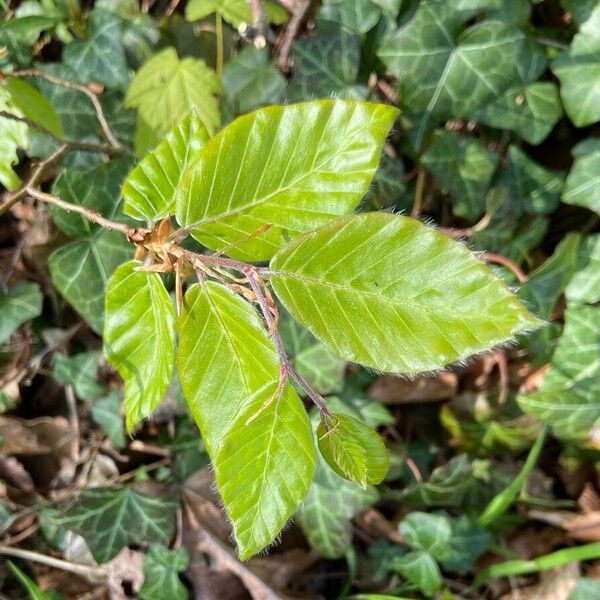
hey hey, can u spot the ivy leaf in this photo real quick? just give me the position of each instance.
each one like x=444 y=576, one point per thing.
x=235 y=12
x=464 y=167
x=585 y=283
x=353 y=450
x=578 y=70
x=531 y=111
x=149 y=190
x=388 y=185
x=568 y=396
x=18 y=305
x=14 y=136
x=329 y=283
x=420 y=568
x=250 y=81
x=428 y=532
x=467 y=544
x=284 y=169
x=81 y=269
x=582 y=186
x=243 y=408
x=166 y=88
x=326 y=63
x=161 y=574
x=530 y=186
x=100 y=57
x=96 y=188
x=358 y=16
x=106 y=412
x=79 y=371
x=314 y=361
x=139 y=338
x=325 y=515
x=111 y=518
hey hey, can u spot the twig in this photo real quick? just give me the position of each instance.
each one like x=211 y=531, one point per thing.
x=420 y=186
x=108 y=133
x=259 y=23
x=34 y=179
x=73 y=421
x=90 y=573
x=72 y=144
x=507 y=263
x=90 y=215
x=291 y=32
x=219 y=42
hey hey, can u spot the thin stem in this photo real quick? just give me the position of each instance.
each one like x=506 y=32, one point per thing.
x=301 y=8
x=108 y=133
x=219 y=34
x=91 y=573
x=90 y=215
x=509 y=264
x=420 y=186
x=34 y=179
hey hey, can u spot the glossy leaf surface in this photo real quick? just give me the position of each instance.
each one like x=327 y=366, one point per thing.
x=161 y=574
x=582 y=186
x=258 y=437
x=18 y=304
x=281 y=171
x=139 y=338
x=424 y=302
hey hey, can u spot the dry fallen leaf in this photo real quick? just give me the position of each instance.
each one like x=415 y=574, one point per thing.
x=553 y=585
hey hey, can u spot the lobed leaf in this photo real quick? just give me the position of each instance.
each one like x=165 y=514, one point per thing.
x=161 y=574
x=281 y=171
x=258 y=436
x=582 y=186
x=585 y=283
x=79 y=371
x=18 y=304
x=235 y=12
x=429 y=532
x=424 y=302
x=139 y=338
x=353 y=450
x=149 y=190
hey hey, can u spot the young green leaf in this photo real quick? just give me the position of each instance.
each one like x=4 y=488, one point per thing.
x=567 y=400
x=424 y=531
x=257 y=434
x=390 y=293
x=420 y=568
x=149 y=190
x=161 y=574
x=139 y=338
x=582 y=187
x=19 y=304
x=111 y=518
x=353 y=450
x=14 y=136
x=166 y=88
x=585 y=283
x=281 y=171
x=235 y=12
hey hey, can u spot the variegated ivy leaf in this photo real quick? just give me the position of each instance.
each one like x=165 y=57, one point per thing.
x=161 y=574
x=165 y=89
x=139 y=338
x=582 y=186
x=358 y=16
x=281 y=171
x=353 y=450
x=256 y=433
x=18 y=304
x=79 y=371
x=431 y=533
x=411 y=309
x=149 y=190
x=567 y=399
x=585 y=284
x=578 y=70
x=111 y=518
x=235 y=12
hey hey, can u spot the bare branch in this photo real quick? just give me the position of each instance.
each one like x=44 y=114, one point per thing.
x=300 y=10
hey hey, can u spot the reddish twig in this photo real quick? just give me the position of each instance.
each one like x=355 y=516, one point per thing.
x=509 y=264
x=300 y=10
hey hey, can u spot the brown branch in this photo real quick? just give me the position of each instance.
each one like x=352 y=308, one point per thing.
x=420 y=186
x=293 y=27
x=108 y=133
x=90 y=215
x=33 y=180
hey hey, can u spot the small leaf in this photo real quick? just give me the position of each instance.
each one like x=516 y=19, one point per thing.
x=100 y=57
x=235 y=12
x=14 y=136
x=423 y=302
x=429 y=532
x=353 y=450
x=18 y=305
x=582 y=187
x=111 y=518
x=420 y=568
x=79 y=371
x=139 y=338
x=241 y=409
x=578 y=70
x=288 y=169
x=467 y=544
x=166 y=89
x=464 y=167
x=106 y=412
x=567 y=400
x=585 y=283
x=149 y=190
x=358 y=16
x=325 y=515
x=161 y=574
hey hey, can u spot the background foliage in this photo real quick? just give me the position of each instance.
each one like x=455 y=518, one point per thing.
x=493 y=482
